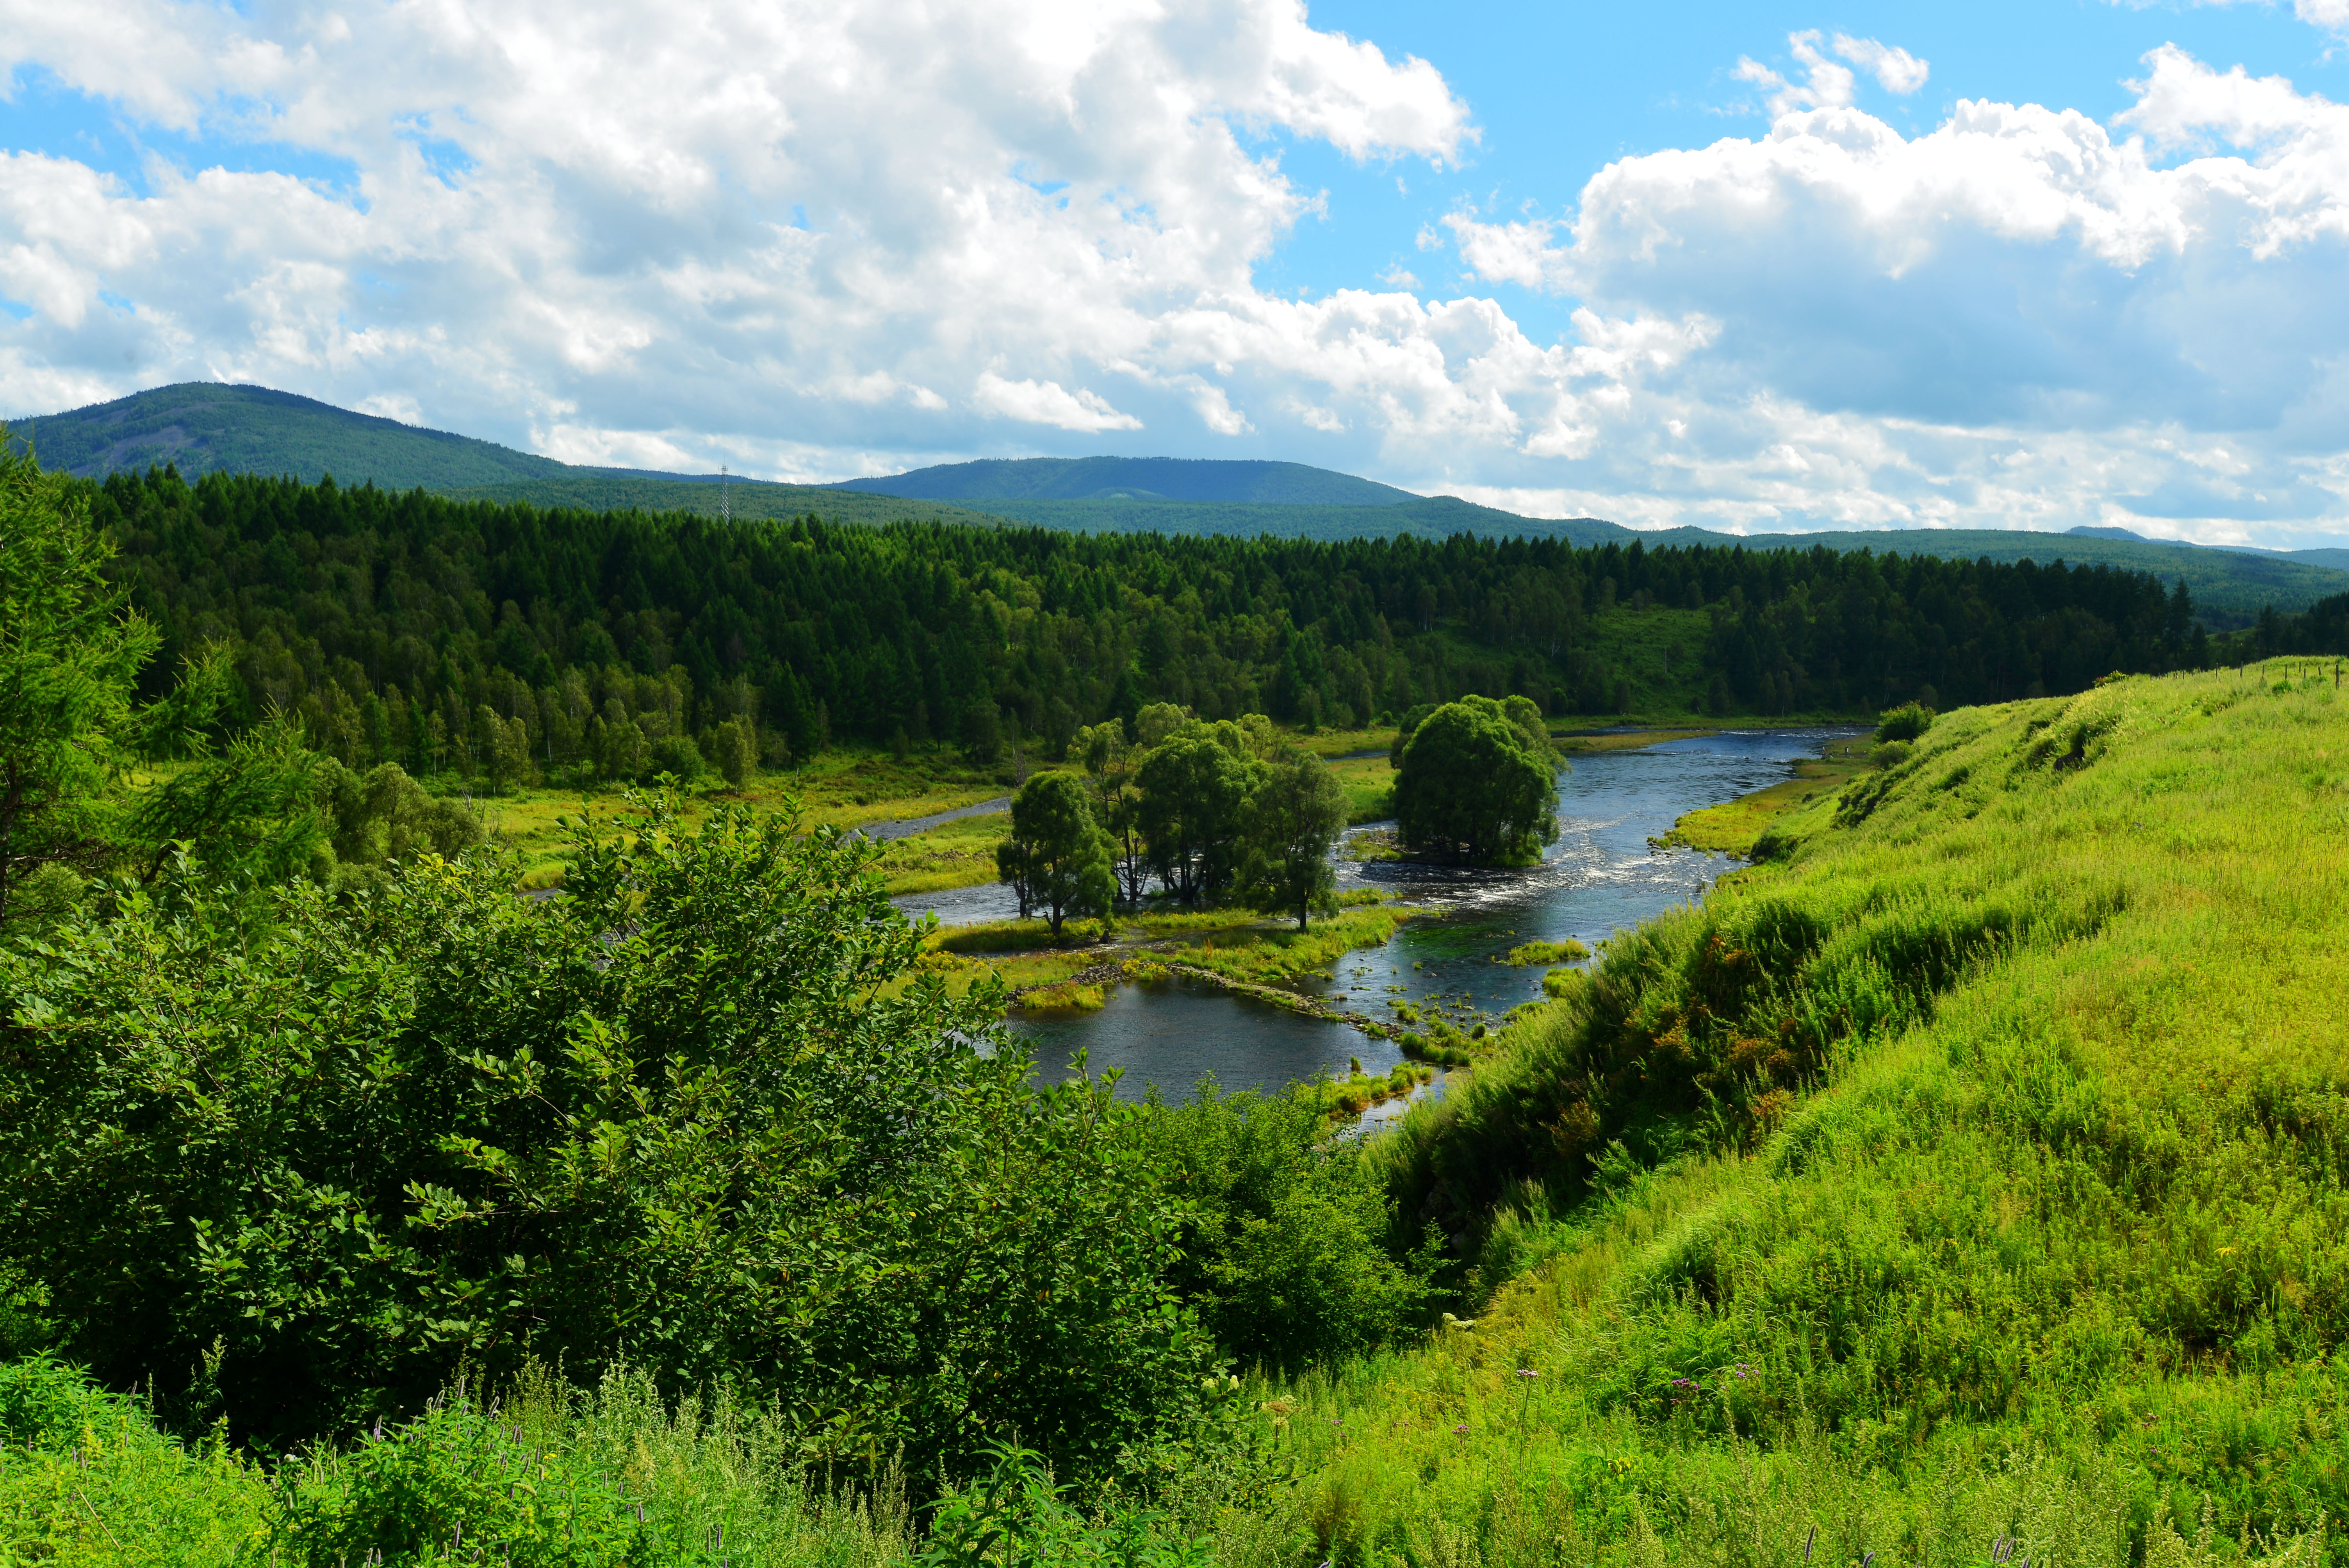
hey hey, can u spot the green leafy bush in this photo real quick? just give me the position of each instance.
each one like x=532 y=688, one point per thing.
x=85 y=1479
x=697 y=1113
x=1287 y=1236
x=1910 y=721
x=459 y=1480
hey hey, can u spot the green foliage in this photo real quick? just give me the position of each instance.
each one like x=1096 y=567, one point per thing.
x=1056 y=857
x=85 y=1479
x=735 y=749
x=1479 y=782
x=545 y=1472
x=1405 y=727
x=1294 y=817
x=1285 y=1240
x=460 y=1482
x=70 y=655
x=679 y=1114
x=677 y=757
x=1015 y=1515
x=1910 y=721
x=386 y=819
x=1194 y=794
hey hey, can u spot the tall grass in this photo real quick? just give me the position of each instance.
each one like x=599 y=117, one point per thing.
x=2038 y=1230
x=541 y=1474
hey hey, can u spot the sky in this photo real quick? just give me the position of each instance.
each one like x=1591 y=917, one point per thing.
x=1752 y=267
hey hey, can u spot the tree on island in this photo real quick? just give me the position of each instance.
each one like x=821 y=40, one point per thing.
x=1478 y=782
x=1195 y=793
x=1295 y=816
x=1056 y=859
x=1109 y=763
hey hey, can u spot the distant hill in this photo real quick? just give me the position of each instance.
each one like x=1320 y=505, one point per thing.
x=204 y=426
x=2229 y=586
x=1213 y=480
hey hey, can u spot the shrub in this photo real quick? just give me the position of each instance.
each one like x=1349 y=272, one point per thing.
x=1285 y=1236
x=678 y=755
x=1014 y=1515
x=1908 y=722
x=685 y=1113
x=458 y=1482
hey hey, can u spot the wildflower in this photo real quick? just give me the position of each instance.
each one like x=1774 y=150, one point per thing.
x=1462 y=1429
x=1527 y=1373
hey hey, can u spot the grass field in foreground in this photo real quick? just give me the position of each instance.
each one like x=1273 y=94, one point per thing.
x=1969 y=1185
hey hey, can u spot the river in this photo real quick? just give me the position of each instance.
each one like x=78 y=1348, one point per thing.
x=1599 y=878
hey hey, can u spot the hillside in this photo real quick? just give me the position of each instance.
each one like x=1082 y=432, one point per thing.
x=1974 y=1169
x=1242 y=483
x=2230 y=586
x=204 y=426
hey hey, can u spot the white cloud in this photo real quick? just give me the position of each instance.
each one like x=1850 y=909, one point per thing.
x=1049 y=403
x=1895 y=70
x=794 y=227
x=2018 y=318
x=1826 y=84
x=816 y=240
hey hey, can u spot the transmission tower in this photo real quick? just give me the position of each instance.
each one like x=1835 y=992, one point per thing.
x=725 y=499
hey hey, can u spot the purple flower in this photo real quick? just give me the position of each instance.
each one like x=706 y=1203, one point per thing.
x=1462 y=1429
x=1527 y=1373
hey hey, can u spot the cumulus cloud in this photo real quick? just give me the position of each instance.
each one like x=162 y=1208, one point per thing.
x=2021 y=316
x=811 y=240
x=1826 y=84
x=823 y=233
x=1049 y=403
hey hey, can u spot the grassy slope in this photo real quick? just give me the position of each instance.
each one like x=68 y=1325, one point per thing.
x=2059 y=1251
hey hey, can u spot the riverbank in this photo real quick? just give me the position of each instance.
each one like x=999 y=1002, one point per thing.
x=1236 y=949
x=1735 y=827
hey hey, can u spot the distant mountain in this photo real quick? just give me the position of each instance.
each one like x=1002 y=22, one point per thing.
x=1213 y=480
x=204 y=425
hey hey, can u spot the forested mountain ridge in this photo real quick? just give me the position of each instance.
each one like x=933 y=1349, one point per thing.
x=393 y=622
x=200 y=427
x=1136 y=479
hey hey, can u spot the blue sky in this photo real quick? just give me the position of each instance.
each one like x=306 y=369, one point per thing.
x=1752 y=268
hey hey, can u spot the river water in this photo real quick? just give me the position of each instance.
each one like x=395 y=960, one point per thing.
x=1601 y=877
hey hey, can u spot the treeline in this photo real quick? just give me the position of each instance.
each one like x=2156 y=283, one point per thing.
x=493 y=638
